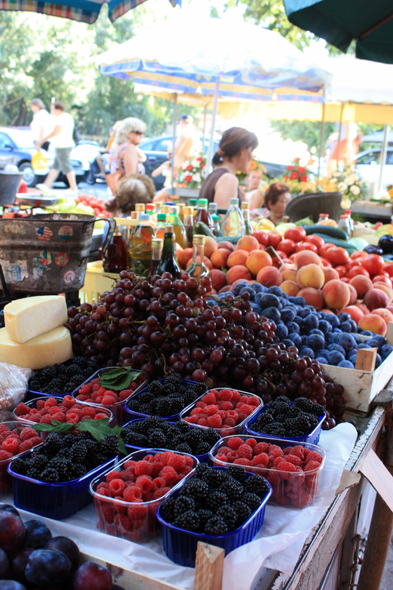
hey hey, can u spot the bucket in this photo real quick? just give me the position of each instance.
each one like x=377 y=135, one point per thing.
x=47 y=253
x=9 y=184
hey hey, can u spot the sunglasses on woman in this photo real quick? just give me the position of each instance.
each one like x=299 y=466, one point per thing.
x=137 y=132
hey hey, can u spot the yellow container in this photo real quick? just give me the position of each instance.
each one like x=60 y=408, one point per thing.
x=97 y=281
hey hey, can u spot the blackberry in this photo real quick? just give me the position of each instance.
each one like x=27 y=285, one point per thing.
x=49 y=475
x=232 y=488
x=173 y=378
x=196 y=489
x=133 y=404
x=78 y=452
x=318 y=410
x=145 y=397
x=200 y=470
x=229 y=515
x=156 y=388
x=135 y=439
x=63 y=468
x=202 y=448
x=157 y=439
x=263 y=420
x=304 y=404
x=314 y=421
x=99 y=460
x=214 y=477
x=139 y=426
x=194 y=436
x=182 y=504
x=167 y=509
x=204 y=516
x=256 y=484
x=69 y=440
x=210 y=436
x=146 y=409
x=78 y=470
x=34 y=473
x=242 y=510
x=280 y=408
x=237 y=472
x=56 y=383
x=252 y=500
x=81 y=361
x=38 y=461
x=177 y=404
x=293 y=412
x=20 y=466
x=164 y=407
x=170 y=388
x=200 y=388
x=110 y=446
x=53 y=444
x=216 y=526
x=184 y=448
x=189 y=397
x=302 y=425
x=49 y=372
x=281 y=418
x=182 y=427
x=189 y=521
x=215 y=500
x=276 y=429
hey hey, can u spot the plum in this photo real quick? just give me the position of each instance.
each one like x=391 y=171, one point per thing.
x=18 y=565
x=37 y=534
x=11 y=585
x=12 y=531
x=46 y=567
x=4 y=564
x=91 y=576
x=9 y=508
x=67 y=546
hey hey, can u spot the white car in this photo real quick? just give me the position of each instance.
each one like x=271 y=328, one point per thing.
x=368 y=166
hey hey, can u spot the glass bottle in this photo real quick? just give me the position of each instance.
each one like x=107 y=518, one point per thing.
x=203 y=214
x=181 y=211
x=217 y=225
x=168 y=261
x=189 y=224
x=156 y=253
x=344 y=224
x=140 y=207
x=116 y=254
x=178 y=227
x=351 y=224
x=150 y=209
x=233 y=223
x=193 y=203
x=212 y=208
x=164 y=209
x=161 y=223
x=246 y=216
x=198 y=268
x=140 y=245
x=323 y=217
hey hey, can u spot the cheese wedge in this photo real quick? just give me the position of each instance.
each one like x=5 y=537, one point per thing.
x=45 y=350
x=30 y=317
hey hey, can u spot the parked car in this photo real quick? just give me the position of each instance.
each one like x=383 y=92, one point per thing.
x=17 y=147
x=368 y=165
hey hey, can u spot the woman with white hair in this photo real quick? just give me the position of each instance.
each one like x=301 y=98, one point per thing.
x=128 y=157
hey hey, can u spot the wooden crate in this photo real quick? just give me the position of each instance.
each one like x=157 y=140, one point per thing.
x=362 y=384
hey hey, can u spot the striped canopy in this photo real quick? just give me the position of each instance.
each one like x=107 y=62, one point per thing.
x=85 y=11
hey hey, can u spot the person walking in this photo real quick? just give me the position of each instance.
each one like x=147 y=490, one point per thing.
x=187 y=142
x=62 y=140
x=42 y=123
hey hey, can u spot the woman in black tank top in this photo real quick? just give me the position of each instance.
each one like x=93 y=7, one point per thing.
x=234 y=154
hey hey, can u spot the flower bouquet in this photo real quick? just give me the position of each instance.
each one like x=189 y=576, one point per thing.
x=298 y=178
x=191 y=174
x=349 y=184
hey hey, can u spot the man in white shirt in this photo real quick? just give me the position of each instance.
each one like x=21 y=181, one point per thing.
x=62 y=140
x=42 y=123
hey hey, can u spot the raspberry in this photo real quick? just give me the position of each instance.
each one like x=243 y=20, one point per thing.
x=87 y=411
x=275 y=451
x=211 y=410
x=294 y=459
x=309 y=466
x=156 y=468
x=254 y=401
x=22 y=409
x=143 y=468
x=298 y=451
x=59 y=416
x=203 y=422
x=251 y=442
x=226 y=406
x=242 y=461
x=314 y=456
x=160 y=493
x=246 y=409
x=36 y=440
x=164 y=458
x=100 y=416
x=137 y=511
x=169 y=475
x=45 y=419
x=82 y=398
x=287 y=450
x=11 y=445
x=225 y=394
x=177 y=462
x=102 y=487
x=117 y=487
x=122 y=521
x=26 y=445
x=123 y=395
x=145 y=483
x=40 y=404
x=27 y=432
x=191 y=419
x=277 y=462
x=51 y=402
x=261 y=459
x=108 y=400
x=72 y=417
x=286 y=468
x=221 y=457
x=5 y=455
x=132 y=493
x=245 y=451
x=245 y=399
x=197 y=411
x=159 y=482
x=215 y=421
x=302 y=501
x=229 y=422
x=262 y=447
x=209 y=398
x=201 y=405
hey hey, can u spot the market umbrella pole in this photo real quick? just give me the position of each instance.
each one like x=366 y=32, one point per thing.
x=383 y=154
x=321 y=144
x=210 y=152
x=173 y=141
x=340 y=128
x=204 y=128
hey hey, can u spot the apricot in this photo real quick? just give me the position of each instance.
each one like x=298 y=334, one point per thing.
x=310 y=275
x=354 y=311
x=219 y=258
x=336 y=294
x=363 y=308
x=269 y=276
x=248 y=243
x=290 y=288
x=362 y=284
x=289 y=275
x=376 y=298
x=256 y=260
x=219 y=279
x=226 y=246
x=210 y=246
x=237 y=257
x=330 y=274
x=312 y=297
x=384 y=313
x=238 y=272
x=184 y=257
x=306 y=257
x=374 y=323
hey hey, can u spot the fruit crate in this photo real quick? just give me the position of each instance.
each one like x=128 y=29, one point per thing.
x=145 y=525
x=54 y=500
x=97 y=281
x=5 y=478
x=180 y=545
x=118 y=409
x=312 y=438
x=363 y=383
x=282 y=482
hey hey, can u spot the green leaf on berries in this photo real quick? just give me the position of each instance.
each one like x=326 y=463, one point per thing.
x=118 y=379
x=99 y=430
x=56 y=426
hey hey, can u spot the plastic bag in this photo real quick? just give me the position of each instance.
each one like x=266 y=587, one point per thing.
x=13 y=385
x=39 y=161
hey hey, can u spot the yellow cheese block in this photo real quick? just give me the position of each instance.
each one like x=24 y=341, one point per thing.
x=48 y=349
x=30 y=317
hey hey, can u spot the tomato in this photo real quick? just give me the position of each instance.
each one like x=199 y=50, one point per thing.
x=262 y=237
x=316 y=240
x=337 y=255
x=358 y=270
x=352 y=263
x=325 y=248
x=287 y=246
x=374 y=264
x=307 y=246
x=326 y=262
x=357 y=254
x=274 y=239
x=342 y=271
x=389 y=268
x=297 y=234
x=382 y=279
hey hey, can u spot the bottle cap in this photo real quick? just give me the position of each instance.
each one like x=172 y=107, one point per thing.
x=144 y=217
x=161 y=216
x=157 y=242
x=202 y=202
x=134 y=214
x=323 y=215
x=140 y=207
x=169 y=203
x=212 y=205
x=343 y=216
x=181 y=206
x=245 y=205
x=164 y=209
x=169 y=229
x=198 y=240
x=174 y=209
x=347 y=211
x=192 y=202
x=234 y=201
x=150 y=207
x=188 y=210
x=216 y=217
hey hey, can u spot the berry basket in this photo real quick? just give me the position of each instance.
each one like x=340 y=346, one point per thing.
x=131 y=448
x=118 y=409
x=224 y=430
x=32 y=394
x=53 y=500
x=132 y=520
x=180 y=545
x=296 y=489
x=5 y=478
x=33 y=404
x=312 y=438
x=172 y=418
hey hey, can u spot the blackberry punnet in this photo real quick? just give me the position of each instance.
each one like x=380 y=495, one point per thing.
x=281 y=419
x=183 y=504
x=188 y=520
x=215 y=500
x=216 y=526
x=196 y=489
x=229 y=515
x=242 y=510
x=237 y=472
x=256 y=484
x=233 y=489
x=63 y=378
x=252 y=500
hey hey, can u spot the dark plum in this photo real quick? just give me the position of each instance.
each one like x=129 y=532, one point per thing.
x=12 y=531
x=91 y=576
x=46 y=567
x=4 y=564
x=9 y=508
x=18 y=565
x=11 y=585
x=67 y=546
x=37 y=534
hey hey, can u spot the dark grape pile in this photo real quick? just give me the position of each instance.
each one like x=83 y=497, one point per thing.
x=163 y=325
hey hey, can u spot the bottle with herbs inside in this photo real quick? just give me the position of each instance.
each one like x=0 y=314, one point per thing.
x=189 y=224
x=245 y=208
x=168 y=259
x=198 y=268
x=140 y=245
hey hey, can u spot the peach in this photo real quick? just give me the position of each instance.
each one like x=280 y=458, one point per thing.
x=256 y=260
x=289 y=275
x=184 y=257
x=385 y=288
x=363 y=308
x=311 y=296
x=362 y=284
x=327 y=311
x=382 y=279
x=287 y=266
x=210 y=246
x=225 y=289
x=390 y=308
x=310 y=275
x=240 y=280
x=248 y=243
x=384 y=313
x=354 y=312
x=374 y=323
x=306 y=257
x=237 y=272
x=237 y=257
x=354 y=295
x=290 y=288
x=219 y=279
x=219 y=258
x=376 y=298
x=269 y=276
x=330 y=274
x=336 y=294
x=226 y=246
x=207 y=263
